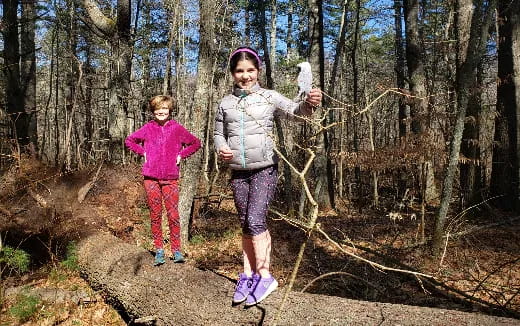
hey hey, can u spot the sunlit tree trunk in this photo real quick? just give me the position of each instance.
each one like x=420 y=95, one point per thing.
x=201 y=105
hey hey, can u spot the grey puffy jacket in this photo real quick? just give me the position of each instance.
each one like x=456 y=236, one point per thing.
x=244 y=122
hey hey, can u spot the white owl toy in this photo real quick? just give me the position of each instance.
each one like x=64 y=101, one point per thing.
x=304 y=79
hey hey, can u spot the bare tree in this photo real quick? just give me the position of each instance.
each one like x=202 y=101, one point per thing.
x=316 y=55
x=28 y=73
x=399 y=65
x=11 y=58
x=118 y=32
x=466 y=70
x=505 y=175
x=199 y=111
x=417 y=84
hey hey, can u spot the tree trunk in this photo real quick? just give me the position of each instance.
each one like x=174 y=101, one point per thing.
x=355 y=94
x=480 y=21
x=470 y=176
x=176 y=294
x=505 y=170
x=289 y=38
x=247 y=24
x=404 y=126
x=338 y=54
x=417 y=85
x=399 y=66
x=262 y=27
x=28 y=73
x=470 y=134
x=201 y=104
x=118 y=32
x=272 y=52
x=13 y=93
x=325 y=195
x=414 y=59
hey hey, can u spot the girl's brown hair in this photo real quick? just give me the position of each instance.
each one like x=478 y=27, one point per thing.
x=244 y=53
x=161 y=102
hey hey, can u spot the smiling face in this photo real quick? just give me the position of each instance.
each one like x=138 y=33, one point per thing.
x=161 y=106
x=245 y=74
x=161 y=114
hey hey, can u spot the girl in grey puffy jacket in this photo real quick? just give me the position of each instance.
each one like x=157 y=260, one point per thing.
x=243 y=138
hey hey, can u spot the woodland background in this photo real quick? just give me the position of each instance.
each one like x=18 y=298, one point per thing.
x=420 y=109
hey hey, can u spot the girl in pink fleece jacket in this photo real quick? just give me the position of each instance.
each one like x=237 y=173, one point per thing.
x=164 y=143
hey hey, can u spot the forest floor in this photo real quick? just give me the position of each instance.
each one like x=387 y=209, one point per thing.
x=40 y=214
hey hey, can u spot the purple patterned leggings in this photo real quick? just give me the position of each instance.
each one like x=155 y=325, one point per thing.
x=253 y=190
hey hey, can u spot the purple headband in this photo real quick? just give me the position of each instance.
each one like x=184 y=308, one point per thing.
x=248 y=51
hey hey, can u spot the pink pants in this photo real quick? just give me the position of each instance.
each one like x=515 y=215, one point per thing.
x=157 y=192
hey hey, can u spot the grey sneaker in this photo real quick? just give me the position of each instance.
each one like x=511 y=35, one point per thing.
x=159 y=257
x=263 y=288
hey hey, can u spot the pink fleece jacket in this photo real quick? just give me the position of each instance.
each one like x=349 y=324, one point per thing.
x=160 y=145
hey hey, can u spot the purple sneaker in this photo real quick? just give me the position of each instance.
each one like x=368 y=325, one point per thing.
x=244 y=286
x=263 y=288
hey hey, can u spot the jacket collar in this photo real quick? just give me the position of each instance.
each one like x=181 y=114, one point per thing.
x=241 y=93
x=159 y=125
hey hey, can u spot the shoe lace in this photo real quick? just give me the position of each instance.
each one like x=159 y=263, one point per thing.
x=241 y=282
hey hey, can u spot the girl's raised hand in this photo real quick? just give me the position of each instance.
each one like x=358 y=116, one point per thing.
x=225 y=153
x=314 y=97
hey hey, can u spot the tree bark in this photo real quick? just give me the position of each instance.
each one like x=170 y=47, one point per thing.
x=119 y=34
x=417 y=86
x=505 y=169
x=355 y=94
x=13 y=94
x=469 y=144
x=399 y=66
x=325 y=186
x=262 y=27
x=414 y=60
x=272 y=52
x=28 y=74
x=199 y=117
x=480 y=21
x=289 y=40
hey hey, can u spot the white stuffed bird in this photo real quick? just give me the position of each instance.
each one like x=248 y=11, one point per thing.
x=304 y=79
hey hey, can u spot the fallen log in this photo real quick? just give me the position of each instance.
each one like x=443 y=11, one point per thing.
x=180 y=294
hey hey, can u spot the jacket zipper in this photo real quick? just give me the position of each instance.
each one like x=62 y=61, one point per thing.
x=242 y=137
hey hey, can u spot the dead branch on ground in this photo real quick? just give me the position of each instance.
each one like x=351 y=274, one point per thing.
x=83 y=191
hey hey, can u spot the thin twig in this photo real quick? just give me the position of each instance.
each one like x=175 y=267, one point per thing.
x=340 y=273
x=371 y=263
